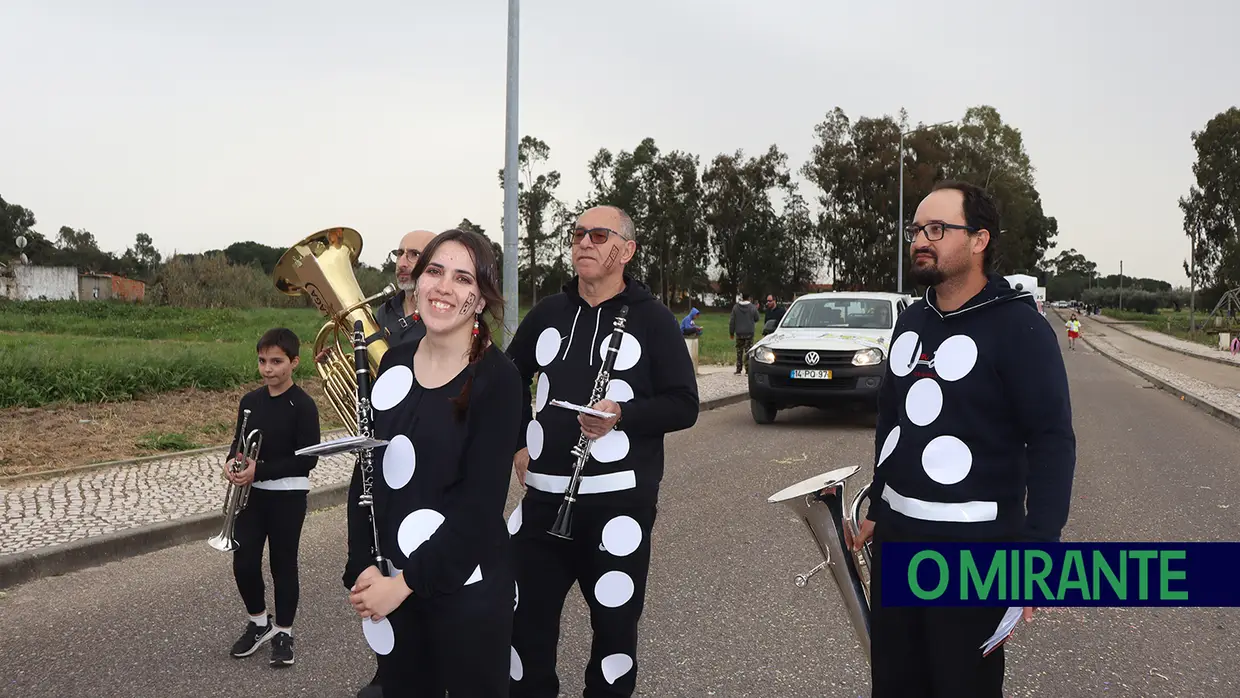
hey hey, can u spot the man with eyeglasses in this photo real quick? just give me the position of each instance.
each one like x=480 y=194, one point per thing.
x=652 y=391
x=974 y=443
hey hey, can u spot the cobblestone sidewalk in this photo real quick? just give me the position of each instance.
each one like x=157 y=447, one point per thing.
x=1170 y=342
x=1224 y=399
x=71 y=507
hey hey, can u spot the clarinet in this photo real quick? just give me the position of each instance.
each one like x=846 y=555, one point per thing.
x=563 y=526
x=365 y=457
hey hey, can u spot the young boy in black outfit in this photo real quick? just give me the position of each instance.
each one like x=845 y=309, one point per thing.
x=280 y=483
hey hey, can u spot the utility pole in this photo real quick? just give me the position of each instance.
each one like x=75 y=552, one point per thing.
x=1192 y=284
x=1121 y=284
x=511 y=302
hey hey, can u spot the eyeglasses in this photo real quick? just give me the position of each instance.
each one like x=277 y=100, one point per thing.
x=598 y=236
x=395 y=255
x=934 y=230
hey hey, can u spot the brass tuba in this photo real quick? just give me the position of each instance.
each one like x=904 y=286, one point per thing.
x=321 y=266
x=820 y=503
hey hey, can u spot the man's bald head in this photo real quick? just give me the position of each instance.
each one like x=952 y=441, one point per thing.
x=411 y=246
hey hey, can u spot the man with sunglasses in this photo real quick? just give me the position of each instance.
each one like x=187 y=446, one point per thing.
x=652 y=391
x=974 y=442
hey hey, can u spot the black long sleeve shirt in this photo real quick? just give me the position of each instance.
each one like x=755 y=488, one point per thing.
x=289 y=421
x=441 y=483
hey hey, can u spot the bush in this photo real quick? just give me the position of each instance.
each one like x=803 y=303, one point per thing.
x=1135 y=300
x=214 y=282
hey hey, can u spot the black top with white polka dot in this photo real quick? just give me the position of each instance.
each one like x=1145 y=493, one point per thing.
x=441 y=483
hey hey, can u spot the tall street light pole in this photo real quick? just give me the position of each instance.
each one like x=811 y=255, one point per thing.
x=511 y=307
x=900 y=224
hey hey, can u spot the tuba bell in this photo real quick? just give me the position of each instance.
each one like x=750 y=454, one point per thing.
x=321 y=266
x=822 y=504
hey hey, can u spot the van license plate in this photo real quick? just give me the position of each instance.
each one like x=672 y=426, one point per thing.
x=813 y=373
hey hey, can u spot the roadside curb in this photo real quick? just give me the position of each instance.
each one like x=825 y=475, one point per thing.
x=49 y=474
x=1177 y=350
x=61 y=559
x=1198 y=402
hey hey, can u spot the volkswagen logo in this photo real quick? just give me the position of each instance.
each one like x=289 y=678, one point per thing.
x=812 y=358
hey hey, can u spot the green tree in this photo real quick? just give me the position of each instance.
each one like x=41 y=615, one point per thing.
x=1212 y=206
x=535 y=199
x=745 y=230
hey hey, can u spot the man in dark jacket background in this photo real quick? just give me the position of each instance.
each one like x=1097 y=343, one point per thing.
x=396 y=313
x=741 y=328
x=771 y=313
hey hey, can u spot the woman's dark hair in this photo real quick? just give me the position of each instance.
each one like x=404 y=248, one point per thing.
x=486 y=275
x=980 y=211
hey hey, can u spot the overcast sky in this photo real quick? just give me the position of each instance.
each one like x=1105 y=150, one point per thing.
x=206 y=123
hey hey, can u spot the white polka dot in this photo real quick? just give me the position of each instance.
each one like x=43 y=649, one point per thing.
x=416 y=529
x=627 y=357
x=924 y=402
x=542 y=392
x=475 y=577
x=391 y=388
x=904 y=353
x=889 y=445
x=514 y=520
x=534 y=439
x=399 y=462
x=955 y=357
x=548 y=344
x=611 y=447
x=947 y=460
x=379 y=635
x=614 y=589
x=616 y=665
x=516 y=595
x=515 y=670
x=619 y=391
x=622 y=535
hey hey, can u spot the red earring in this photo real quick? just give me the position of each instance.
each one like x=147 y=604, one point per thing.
x=414 y=317
x=475 y=325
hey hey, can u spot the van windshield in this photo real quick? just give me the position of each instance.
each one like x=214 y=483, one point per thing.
x=851 y=313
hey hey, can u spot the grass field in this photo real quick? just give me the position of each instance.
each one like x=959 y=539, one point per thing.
x=73 y=352
x=1168 y=322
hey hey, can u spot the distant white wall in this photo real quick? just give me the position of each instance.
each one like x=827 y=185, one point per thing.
x=49 y=283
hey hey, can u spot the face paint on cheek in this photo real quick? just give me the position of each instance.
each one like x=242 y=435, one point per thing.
x=612 y=257
x=469 y=303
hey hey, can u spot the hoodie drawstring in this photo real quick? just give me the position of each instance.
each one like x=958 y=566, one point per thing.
x=597 y=317
x=571 y=333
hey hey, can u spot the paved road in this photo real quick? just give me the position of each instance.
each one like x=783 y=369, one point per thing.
x=723 y=617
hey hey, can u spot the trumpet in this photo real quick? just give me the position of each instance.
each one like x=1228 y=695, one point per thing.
x=563 y=526
x=823 y=505
x=237 y=496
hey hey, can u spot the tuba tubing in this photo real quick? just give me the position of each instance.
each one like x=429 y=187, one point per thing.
x=822 y=504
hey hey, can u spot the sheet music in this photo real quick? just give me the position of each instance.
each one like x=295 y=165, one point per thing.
x=587 y=410
x=344 y=444
x=1007 y=626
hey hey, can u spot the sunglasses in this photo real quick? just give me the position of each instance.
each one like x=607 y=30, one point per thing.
x=598 y=236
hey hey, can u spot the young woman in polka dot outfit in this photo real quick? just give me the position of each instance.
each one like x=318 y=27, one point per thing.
x=974 y=442
x=653 y=391
x=449 y=405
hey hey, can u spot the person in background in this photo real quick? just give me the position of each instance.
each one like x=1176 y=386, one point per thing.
x=688 y=327
x=771 y=313
x=1074 y=331
x=741 y=328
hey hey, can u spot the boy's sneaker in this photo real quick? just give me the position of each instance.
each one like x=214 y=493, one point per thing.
x=253 y=636
x=282 y=650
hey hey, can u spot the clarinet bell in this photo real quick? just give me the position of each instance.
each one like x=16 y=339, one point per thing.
x=563 y=526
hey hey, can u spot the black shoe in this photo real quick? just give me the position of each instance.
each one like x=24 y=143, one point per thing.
x=282 y=649
x=253 y=636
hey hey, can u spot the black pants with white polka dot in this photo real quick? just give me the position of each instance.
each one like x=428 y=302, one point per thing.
x=930 y=652
x=609 y=558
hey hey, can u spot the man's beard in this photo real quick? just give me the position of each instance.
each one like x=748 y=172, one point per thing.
x=406 y=285
x=930 y=275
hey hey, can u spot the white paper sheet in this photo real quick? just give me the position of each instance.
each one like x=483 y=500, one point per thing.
x=344 y=444
x=1007 y=626
x=587 y=410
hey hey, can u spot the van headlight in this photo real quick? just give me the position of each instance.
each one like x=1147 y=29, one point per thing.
x=868 y=357
x=764 y=355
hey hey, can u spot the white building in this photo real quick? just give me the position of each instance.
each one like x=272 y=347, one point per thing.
x=25 y=282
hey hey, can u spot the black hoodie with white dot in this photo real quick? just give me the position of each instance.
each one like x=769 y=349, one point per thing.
x=974 y=438
x=563 y=340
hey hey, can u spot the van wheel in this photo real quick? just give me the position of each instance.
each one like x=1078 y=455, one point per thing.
x=762 y=413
